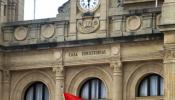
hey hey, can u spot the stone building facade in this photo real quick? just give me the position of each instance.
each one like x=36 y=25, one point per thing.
x=96 y=49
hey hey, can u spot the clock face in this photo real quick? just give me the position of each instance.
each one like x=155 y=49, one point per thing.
x=89 y=5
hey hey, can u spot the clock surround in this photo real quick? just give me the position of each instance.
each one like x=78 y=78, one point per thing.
x=88 y=5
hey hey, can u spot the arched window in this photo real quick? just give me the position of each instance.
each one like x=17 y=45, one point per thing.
x=37 y=91
x=152 y=85
x=93 y=89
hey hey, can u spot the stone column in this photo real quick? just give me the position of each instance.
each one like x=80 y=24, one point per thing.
x=59 y=86
x=0 y=84
x=103 y=16
x=117 y=84
x=169 y=66
x=6 y=85
x=167 y=26
x=72 y=23
x=1 y=73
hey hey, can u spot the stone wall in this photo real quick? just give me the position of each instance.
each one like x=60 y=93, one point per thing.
x=20 y=10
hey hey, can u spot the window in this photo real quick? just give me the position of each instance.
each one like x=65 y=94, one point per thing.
x=5 y=10
x=93 y=89
x=37 y=91
x=151 y=85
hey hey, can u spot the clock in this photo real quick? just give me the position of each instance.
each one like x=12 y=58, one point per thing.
x=88 y=5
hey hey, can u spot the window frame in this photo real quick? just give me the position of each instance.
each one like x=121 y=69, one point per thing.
x=148 y=77
x=89 y=81
x=34 y=86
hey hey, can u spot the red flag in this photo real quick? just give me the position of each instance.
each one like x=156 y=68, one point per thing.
x=68 y=96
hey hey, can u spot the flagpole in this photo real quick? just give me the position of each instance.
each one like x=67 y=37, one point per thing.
x=156 y=3
x=34 y=9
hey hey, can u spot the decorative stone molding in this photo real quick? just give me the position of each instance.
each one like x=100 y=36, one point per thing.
x=6 y=75
x=58 y=55
x=91 y=72
x=134 y=77
x=117 y=80
x=24 y=81
x=116 y=66
x=47 y=31
x=88 y=25
x=20 y=33
x=115 y=50
x=59 y=71
x=133 y=23
x=59 y=77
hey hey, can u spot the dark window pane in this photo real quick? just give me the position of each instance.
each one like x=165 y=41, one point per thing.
x=151 y=85
x=144 y=88
x=37 y=91
x=93 y=89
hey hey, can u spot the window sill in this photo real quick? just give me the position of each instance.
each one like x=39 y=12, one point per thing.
x=136 y=1
x=150 y=98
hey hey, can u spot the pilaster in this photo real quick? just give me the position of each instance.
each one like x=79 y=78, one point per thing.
x=6 y=85
x=73 y=14
x=167 y=26
x=169 y=71
x=117 y=80
x=59 y=85
x=103 y=16
x=1 y=73
x=11 y=12
x=58 y=69
x=0 y=84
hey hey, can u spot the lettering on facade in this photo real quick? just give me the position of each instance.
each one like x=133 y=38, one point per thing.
x=73 y=54
x=87 y=53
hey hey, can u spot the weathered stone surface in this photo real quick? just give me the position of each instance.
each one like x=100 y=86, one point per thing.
x=117 y=42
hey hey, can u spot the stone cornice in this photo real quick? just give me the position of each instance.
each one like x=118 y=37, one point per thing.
x=167 y=27
x=89 y=42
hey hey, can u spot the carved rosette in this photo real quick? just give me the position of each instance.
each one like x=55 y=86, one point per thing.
x=47 y=31
x=133 y=23
x=20 y=33
x=88 y=25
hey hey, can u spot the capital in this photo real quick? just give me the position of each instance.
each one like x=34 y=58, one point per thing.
x=116 y=66
x=59 y=70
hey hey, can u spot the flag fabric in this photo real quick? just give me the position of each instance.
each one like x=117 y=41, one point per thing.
x=68 y=96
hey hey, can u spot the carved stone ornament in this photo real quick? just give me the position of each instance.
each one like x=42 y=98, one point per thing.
x=115 y=50
x=47 y=31
x=116 y=66
x=59 y=71
x=20 y=33
x=88 y=25
x=57 y=55
x=133 y=23
x=169 y=54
